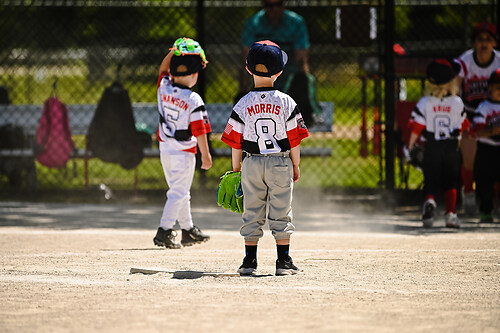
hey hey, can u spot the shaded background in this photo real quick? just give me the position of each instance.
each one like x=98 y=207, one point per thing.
x=82 y=44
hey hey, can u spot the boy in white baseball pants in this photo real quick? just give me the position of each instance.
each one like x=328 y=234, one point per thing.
x=183 y=127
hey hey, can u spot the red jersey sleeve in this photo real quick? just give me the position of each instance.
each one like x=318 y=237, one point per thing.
x=296 y=129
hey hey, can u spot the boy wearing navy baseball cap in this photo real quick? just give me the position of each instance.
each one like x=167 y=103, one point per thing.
x=267 y=125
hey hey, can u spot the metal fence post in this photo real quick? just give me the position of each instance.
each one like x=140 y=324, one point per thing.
x=389 y=94
x=200 y=29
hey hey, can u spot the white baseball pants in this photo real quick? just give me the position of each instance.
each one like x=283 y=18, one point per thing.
x=178 y=167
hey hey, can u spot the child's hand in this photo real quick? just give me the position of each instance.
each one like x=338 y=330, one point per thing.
x=165 y=64
x=296 y=173
x=206 y=161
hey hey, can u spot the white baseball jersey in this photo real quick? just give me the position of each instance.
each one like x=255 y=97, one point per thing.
x=442 y=118
x=265 y=121
x=475 y=78
x=488 y=116
x=183 y=116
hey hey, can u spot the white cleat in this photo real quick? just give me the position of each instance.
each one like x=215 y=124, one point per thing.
x=451 y=220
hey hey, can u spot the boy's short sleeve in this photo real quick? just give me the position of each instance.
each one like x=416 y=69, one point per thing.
x=296 y=129
x=463 y=68
x=479 y=119
x=233 y=133
x=199 y=122
x=162 y=75
x=417 y=118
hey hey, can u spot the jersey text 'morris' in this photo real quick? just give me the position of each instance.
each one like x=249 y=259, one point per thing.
x=264 y=108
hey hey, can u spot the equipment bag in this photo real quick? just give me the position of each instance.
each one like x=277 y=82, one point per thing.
x=302 y=88
x=54 y=143
x=112 y=136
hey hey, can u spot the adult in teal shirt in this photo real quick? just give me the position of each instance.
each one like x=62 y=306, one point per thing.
x=285 y=28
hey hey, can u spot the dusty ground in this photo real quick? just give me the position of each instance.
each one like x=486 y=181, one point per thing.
x=65 y=268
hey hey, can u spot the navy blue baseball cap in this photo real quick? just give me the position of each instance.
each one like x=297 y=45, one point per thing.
x=266 y=58
x=184 y=65
x=440 y=71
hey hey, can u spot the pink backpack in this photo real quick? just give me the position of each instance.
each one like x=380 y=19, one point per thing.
x=53 y=138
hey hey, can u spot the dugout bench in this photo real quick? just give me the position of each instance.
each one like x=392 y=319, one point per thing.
x=146 y=114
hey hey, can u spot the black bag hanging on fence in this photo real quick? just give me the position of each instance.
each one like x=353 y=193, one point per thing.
x=19 y=170
x=112 y=136
x=302 y=88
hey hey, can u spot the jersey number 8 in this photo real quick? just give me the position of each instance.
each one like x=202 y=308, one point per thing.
x=266 y=130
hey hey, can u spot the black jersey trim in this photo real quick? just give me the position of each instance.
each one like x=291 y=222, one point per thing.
x=200 y=108
x=237 y=118
x=417 y=111
x=294 y=113
x=253 y=147
x=179 y=135
x=487 y=64
x=177 y=85
x=183 y=135
x=264 y=89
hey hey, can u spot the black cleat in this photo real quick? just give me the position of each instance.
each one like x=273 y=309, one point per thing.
x=286 y=267
x=193 y=236
x=248 y=267
x=428 y=213
x=166 y=238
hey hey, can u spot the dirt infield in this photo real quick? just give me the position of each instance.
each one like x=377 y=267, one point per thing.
x=66 y=268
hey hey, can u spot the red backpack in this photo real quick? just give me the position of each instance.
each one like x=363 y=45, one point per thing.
x=53 y=138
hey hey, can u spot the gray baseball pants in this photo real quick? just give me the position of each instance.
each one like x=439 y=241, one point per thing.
x=267 y=184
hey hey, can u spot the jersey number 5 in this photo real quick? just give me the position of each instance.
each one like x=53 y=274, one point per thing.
x=168 y=126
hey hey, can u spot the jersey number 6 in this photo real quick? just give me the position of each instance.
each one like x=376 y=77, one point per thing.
x=442 y=127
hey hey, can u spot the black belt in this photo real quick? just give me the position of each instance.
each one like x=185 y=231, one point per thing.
x=280 y=154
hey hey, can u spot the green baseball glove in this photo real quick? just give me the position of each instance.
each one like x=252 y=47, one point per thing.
x=229 y=193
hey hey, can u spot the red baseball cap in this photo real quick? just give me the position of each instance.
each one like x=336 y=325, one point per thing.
x=440 y=71
x=485 y=27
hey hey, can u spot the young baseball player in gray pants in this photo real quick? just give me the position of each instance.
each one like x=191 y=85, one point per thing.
x=267 y=125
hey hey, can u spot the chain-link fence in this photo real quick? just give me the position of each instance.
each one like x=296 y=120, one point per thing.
x=76 y=49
